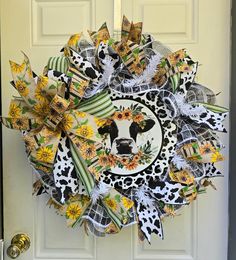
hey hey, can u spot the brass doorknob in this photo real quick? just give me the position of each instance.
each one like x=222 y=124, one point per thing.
x=19 y=244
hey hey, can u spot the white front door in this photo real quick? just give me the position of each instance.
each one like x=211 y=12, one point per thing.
x=40 y=28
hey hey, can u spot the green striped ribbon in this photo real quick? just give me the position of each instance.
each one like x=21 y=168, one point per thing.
x=99 y=105
x=81 y=169
x=175 y=81
x=116 y=218
x=213 y=108
x=60 y=64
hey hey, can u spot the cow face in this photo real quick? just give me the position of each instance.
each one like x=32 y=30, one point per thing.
x=123 y=135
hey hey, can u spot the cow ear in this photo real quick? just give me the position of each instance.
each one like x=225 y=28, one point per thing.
x=149 y=123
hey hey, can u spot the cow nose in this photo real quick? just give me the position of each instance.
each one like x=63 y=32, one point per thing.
x=123 y=141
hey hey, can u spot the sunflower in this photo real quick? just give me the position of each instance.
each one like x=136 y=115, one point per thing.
x=127 y=114
x=124 y=160
x=14 y=110
x=67 y=121
x=42 y=82
x=138 y=118
x=16 y=68
x=185 y=177
x=100 y=121
x=112 y=160
x=103 y=160
x=118 y=116
x=122 y=49
x=80 y=114
x=131 y=165
x=216 y=157
x=184 y=68
x=73 y=211
x=111 y=203
x=206 y=148
x=127 y=203
x=85 y=131
x=73 y=41
x=136 y=157
x=22 y=88
x=88 y=151
x=45 y=154
x=42 y=108
x=175 y=57
x=20 y=123
x=40 y=93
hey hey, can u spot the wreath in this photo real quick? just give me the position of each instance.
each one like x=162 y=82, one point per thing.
x=117 y=132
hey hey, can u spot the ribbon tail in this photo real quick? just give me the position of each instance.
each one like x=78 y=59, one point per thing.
x=211 y=119
x=81 y=169
x=65 y=177
x=149 y=221
x=116 y=219
x=167 y=192
x=211 y=171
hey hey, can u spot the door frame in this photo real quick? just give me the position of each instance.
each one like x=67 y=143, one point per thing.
x=232 y=148
x=1 y=172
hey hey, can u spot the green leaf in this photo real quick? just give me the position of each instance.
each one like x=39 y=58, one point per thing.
x=98 y=168
x=35 y=125
x=122 y=210
x=69 y=74
x=125 y=58
x=50 y=146
x=41 y=140
x=76 y=101
x=195 y=145
x=31 y=101
x=111 y=41
x=136 y=51
x=84 y=122
x=100 y=152
x=24 y=110
x=117 y=198
x=163 y=63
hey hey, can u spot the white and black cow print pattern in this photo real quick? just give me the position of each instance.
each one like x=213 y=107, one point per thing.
x=160 y=165
x=65 y=177
x=187 y=78
x=104 y=50
x=149 y=221
x=84 y=66
x=167 y=192
x=211 y=120
x=56 y=75
x=211 y=171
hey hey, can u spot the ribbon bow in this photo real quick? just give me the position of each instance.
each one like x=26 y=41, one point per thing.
x=44 y=112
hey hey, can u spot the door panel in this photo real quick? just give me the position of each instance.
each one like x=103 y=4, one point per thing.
x=40 y=28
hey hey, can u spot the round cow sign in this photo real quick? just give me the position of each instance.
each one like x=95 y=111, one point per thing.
x=139 y=139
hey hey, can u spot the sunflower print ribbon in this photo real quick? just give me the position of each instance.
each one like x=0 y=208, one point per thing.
x=44 y=112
